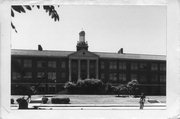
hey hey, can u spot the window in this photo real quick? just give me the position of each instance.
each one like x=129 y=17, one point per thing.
x=113 y=77
x=63 y=64
x=122 y=65
x=162 y=67
x=134 y=77
x=122 y=77
x=163 y=89
x=134 y=66
x=51 y=88
x=154 y=78
x=92 y=65
x=52 y=76
x=102 y=65
x=16 y=76
x=143 y=78
x=83 y=65
x=17 y=61
x=41 y=64
x=41 y=88
x=28 y=75
x=154 y=67
x=74 y=65
x=63 y=75
x=40 y=74
x=163 y=78
x=143 y=66
x=52 y=64
x=113 y=65
x=102 y=75
x=27 y=63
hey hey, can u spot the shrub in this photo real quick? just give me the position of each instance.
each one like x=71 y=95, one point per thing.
x=87 y=86
x=44 y=100
x=121 y=90
x=12 y=101
x=107 y=88
x=60 y=100
x=23 y=104
x=71 y=87
x=132 y=87
x=90 y=86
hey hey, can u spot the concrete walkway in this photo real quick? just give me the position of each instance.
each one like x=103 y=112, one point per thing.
x=99 y=102
x=39 y=106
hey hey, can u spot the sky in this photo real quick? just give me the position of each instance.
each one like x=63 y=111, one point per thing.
x=136 y=29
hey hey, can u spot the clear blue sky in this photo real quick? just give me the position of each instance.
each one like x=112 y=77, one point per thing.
x=137 y=29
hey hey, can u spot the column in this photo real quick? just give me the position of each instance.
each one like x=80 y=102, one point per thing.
x=69 y=69
x=97 y=72
x=88 y=68
x=79 y=71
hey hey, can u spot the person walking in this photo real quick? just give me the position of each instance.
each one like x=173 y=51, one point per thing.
x=142 y=100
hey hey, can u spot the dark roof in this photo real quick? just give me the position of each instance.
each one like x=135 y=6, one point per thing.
x=52 y=53
x=44 y=53
x=130 y=56
x=82 y=33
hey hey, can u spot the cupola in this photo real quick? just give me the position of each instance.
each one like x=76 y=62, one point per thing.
x=82 y=44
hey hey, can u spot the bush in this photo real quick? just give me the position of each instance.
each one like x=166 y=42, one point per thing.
x=121 y=90
x=87 y=86
x=108 y=88
x=132 y=87
x=60 y=100
x=71 y=87
x=12 y=101
x=91 y=86
x=23 y=104
x=44 y=100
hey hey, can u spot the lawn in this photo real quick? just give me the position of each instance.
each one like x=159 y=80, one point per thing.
x=99 y=99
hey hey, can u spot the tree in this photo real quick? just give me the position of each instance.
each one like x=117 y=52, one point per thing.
x=50 y=9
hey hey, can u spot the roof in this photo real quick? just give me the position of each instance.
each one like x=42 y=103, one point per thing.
x=52 y=53
x=130 y=56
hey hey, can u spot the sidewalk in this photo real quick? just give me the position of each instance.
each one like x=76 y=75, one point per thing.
x=95 y=102
x=157 y=106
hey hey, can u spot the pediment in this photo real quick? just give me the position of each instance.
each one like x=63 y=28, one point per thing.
x=83 y=54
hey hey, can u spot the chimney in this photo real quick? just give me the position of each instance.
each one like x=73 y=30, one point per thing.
x=40 y=48
x=120 y=51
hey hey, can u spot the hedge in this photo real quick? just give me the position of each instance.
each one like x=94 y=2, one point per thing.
x=87 y=86
x=60 y=100
x=44 y=100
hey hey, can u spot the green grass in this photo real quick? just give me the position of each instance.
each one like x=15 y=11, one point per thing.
x=100 y=99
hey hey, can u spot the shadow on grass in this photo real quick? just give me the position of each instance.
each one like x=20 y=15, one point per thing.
x=153 y=101
x=122 y=96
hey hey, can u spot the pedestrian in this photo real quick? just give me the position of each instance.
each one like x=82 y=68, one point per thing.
x=142 y=100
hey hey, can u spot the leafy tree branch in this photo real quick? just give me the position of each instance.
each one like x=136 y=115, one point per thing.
x=50 y=9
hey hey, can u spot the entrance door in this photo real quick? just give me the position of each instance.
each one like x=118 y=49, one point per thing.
x=83 y=69
x=74 y=70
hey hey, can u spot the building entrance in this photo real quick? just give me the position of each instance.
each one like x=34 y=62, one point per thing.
x=83 y=69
